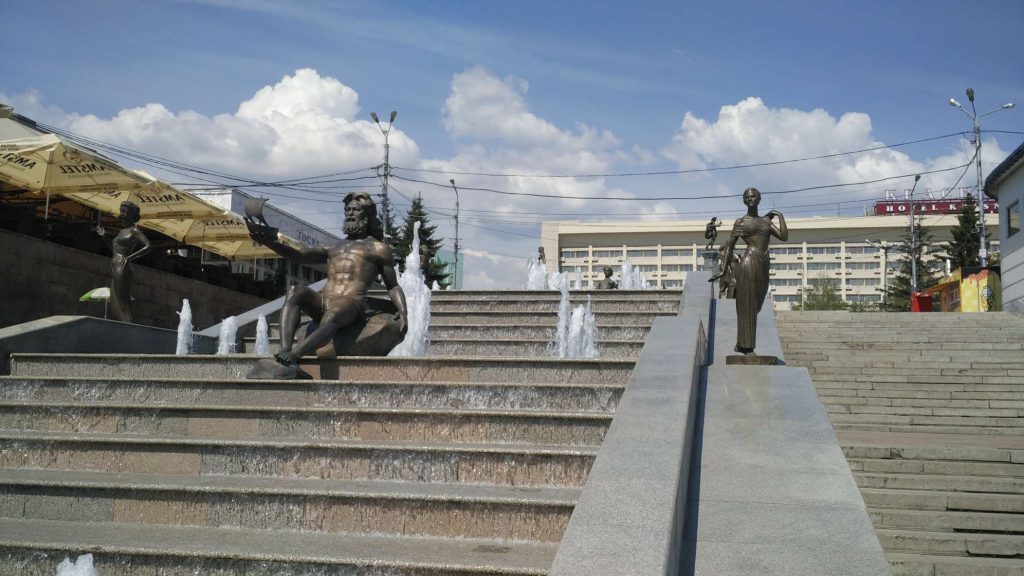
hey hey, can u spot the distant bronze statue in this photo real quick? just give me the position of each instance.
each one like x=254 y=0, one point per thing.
x=711 y=232
x=540 y=255
x=351 y=266
x=607 y=283
x=751 y=270
x=124 y=249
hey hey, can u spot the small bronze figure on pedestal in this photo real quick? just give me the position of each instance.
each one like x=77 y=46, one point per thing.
x=751 y=271
x=123 y=247
x=711 y=232
x=351 y=266
x=607 y=283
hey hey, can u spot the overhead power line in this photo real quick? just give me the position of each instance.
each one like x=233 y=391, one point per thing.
x=689 y=171
x=668 y=198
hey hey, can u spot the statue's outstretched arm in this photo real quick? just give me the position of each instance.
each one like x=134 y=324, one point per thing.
x=266 y=236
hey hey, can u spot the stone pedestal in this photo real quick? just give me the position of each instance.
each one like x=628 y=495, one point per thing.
x=752 y=360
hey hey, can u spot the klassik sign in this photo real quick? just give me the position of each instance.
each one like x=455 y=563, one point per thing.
x=891 y=207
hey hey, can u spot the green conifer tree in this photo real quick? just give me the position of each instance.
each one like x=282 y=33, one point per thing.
x=434 y=270
x=963 y=250
x=898 y=291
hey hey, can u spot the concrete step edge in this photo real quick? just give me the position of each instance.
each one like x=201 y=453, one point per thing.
x=124 y=440
x=288 y=486
x=381 y=411
x=303 y=384
x=453 y=555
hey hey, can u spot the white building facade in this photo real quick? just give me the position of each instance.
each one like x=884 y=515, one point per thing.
x=1006 y=185
x=665 y=251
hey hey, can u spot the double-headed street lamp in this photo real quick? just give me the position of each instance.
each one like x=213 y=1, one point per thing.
x=383 y=174
x=976 y=119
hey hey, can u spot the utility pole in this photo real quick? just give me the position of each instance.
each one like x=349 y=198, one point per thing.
x=384 y=171
x=913 y=240
x=976 y=121
x=456 y=271
x=884 y=247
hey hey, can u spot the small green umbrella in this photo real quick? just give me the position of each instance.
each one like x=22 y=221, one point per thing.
x=97 y=294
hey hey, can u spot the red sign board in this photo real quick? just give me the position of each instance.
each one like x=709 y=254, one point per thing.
x=896 y=207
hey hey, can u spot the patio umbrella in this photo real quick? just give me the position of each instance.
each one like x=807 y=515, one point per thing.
x=48 y=164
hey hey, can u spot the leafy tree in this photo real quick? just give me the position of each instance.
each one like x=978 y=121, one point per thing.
x=963 y=250
x=822 y=294
x=897 y=295
x=433 y=270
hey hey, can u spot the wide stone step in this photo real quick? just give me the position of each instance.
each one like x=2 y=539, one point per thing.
x=301 y=393
x=940 y=400
x=938 y=500
x=369 y=369
x=945 y=483
x=503 y=464
x=954 y=468
x=603 y=318
x=904 y=564
x=950 y=543
x=258 y=422
x=947 y=521
x=504 y=347
x=1017 y=424
x=950 y=430
x=574 y=295
x=530 y=332
x=381 y=508
x=979 y=410
x=550 y=306
x=938 y=448
x=35 y=547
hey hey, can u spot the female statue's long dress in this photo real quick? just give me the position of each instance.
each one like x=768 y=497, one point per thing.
x=751 y=277
x=122 y=246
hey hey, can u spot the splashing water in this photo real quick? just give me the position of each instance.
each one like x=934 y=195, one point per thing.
x=226 y=339
x=82 y=566
x=262 y=336
x=631 y=278
x=417 y=302
x=581 y=336
x=536 y=275
x=435 y=286
x=184 y=345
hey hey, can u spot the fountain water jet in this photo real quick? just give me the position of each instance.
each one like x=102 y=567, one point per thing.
x=226 y=339
x=184 y=345
x=82 y=566
x=631 y=278
x=536 y=275
x=417 y=302
x=262 y=336
x=581 y=336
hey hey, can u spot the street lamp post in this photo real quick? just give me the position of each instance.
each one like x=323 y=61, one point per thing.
x=884 y=247
x=913 y=240
x=976 y=120
x=456 y=271
x=386 y=167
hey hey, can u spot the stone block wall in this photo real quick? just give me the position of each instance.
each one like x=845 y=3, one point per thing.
x=40 y=279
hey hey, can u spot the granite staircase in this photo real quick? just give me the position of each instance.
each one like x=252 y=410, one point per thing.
x=467 y=461
x=929 y=409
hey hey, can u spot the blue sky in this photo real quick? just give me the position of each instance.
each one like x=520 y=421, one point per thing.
x=529 y=87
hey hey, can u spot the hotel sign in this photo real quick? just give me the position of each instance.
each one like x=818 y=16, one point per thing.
x=952 y=206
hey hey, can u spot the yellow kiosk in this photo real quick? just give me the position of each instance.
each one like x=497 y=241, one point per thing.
x=972 y=289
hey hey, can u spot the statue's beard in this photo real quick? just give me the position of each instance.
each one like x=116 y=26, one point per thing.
x=356 y=227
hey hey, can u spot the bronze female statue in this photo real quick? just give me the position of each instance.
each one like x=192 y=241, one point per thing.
x=123 y=247
x=751 y=271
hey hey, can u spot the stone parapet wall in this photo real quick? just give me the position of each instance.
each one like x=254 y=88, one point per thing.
x=40 y=279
